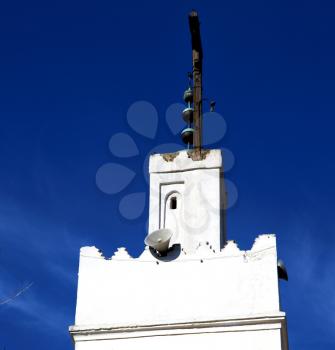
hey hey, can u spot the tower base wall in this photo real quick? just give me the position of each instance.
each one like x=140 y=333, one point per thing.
x=261 y=333
x=210 y=299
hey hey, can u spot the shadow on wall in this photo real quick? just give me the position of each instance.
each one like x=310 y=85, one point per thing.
x=172 y=253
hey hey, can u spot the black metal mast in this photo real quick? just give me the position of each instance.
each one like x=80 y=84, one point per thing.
x=197 y=81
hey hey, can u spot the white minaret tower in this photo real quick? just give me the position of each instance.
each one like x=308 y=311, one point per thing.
x=187 y=197
x=190 y=288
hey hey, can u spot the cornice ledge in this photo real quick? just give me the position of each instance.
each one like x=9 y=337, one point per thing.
x=278 y=317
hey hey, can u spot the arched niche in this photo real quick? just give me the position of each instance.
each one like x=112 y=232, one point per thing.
x=173 y=205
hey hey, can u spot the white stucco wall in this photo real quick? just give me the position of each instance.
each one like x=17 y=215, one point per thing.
x=201 y=286
x=200 y=296
x=231 y=295
x=263 y=336
x=200 y=189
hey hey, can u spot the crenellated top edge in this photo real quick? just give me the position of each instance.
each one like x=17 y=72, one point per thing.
x=204 y=251
x=231 y=249
x=121 y=254
x=264 y=241
x=91 y=252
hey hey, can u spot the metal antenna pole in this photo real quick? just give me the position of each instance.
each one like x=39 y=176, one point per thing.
x=197 y=81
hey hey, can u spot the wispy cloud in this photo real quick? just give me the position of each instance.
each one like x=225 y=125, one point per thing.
x=50 y=251
x=20 y=291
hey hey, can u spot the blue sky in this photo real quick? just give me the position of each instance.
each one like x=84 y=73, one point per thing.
x=70 y=71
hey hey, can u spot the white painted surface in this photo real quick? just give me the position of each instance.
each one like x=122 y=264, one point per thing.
x=227 y=298
x=205 y=297
x=264 y=334
x=202 y=286
x=183 y=162
x=200 y=191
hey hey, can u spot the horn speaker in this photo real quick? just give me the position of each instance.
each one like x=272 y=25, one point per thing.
x=159 y=240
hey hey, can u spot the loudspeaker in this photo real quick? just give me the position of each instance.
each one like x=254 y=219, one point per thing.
x=282 y=272
x=159 y=240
